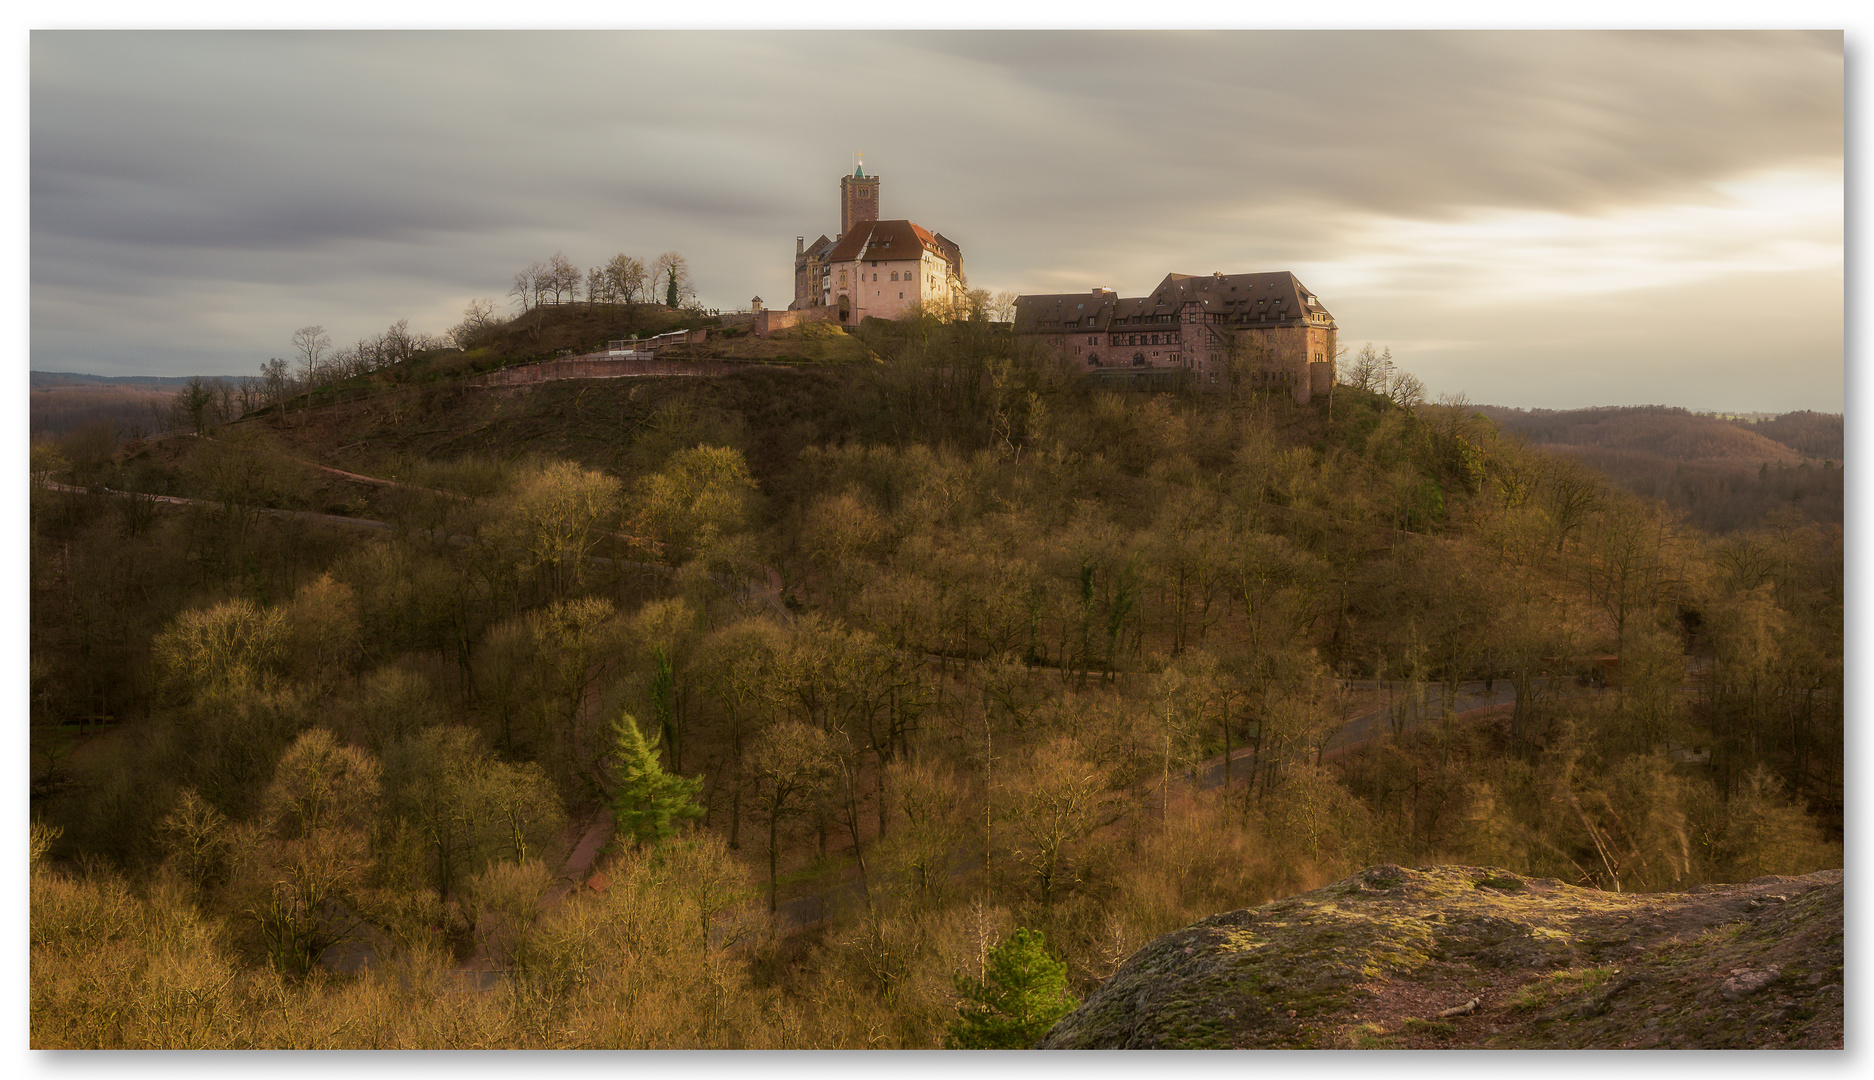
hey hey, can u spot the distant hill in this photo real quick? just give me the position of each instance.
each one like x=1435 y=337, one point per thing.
x=53 y=379
x=63 y=402
x=1652 y=429
x=1724 y=473
x=1813 y=434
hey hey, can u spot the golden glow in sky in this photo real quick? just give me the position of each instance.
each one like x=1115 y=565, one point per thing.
x=1752 y=229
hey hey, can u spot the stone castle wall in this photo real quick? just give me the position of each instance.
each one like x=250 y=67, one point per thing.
x=767 y=322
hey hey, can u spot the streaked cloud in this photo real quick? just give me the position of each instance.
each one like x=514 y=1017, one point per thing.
x=1768 y=224
x=198 y=195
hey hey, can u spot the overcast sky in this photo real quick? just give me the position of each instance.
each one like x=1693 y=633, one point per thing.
x=1552 y=219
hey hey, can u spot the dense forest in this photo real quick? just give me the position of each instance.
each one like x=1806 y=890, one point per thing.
x=895 y=678
x=1722 y=474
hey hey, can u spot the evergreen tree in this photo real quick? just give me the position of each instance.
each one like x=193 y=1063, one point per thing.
x=649 y=804
x=1025 y=993
x=670 y=289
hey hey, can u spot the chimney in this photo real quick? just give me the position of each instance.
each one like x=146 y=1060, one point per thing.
x=800 y=245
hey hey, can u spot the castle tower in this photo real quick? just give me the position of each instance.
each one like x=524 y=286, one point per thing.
x=858 y=199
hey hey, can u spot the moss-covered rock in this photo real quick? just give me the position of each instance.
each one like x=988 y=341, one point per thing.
x=1454 y=956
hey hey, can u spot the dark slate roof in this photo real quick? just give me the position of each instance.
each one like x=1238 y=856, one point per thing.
x=1241 y=298
x=1270 y=295
x=1093 y=309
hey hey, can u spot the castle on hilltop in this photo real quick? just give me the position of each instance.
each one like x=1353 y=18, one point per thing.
x=872 y=268
x=1265 y=331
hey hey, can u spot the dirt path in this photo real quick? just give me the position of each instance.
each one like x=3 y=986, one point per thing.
x=577 y=870
x=586 y=838
x=173 y=500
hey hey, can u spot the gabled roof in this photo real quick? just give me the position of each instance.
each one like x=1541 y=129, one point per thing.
x=898 y=240
x=1261 y=298
x=1271 y=295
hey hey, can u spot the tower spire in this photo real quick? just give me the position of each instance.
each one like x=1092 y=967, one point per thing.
x=858 y=197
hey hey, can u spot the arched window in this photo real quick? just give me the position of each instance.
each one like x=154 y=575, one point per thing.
x=1138 y=359
x=1093 y=359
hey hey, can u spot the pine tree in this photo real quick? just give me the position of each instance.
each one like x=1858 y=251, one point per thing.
x=649 y=804
x=1024 y=994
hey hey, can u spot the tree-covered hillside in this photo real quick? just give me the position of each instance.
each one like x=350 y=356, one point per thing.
x=1721 y=475
x=950 y=645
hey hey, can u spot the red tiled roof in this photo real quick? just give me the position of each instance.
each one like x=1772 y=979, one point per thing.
x=897 y=240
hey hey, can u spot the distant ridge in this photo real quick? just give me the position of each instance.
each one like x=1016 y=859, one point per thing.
x=1679 y=434
x=74 y=378
x=1723 y=473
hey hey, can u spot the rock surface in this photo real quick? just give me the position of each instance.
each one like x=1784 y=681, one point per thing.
x=1391 y=958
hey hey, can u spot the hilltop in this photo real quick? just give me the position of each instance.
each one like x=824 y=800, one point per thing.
x=939 y=646
x=1453 y=957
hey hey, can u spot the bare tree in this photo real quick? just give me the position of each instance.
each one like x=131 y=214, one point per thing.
x=194 y=402
x=599 y=287
x=247 y=394
x=626 y=275
x=311 y=343
x=477 y=320
x=562 y=279
x=1405 y=390
x=670 y=274
x=531 y=285
x=1371 y=370
x=276 y=380
x=224 y=407
x=396 y=345
x=1001 y=307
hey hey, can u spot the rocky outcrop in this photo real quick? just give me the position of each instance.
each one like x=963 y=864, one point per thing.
x=1453 y=956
